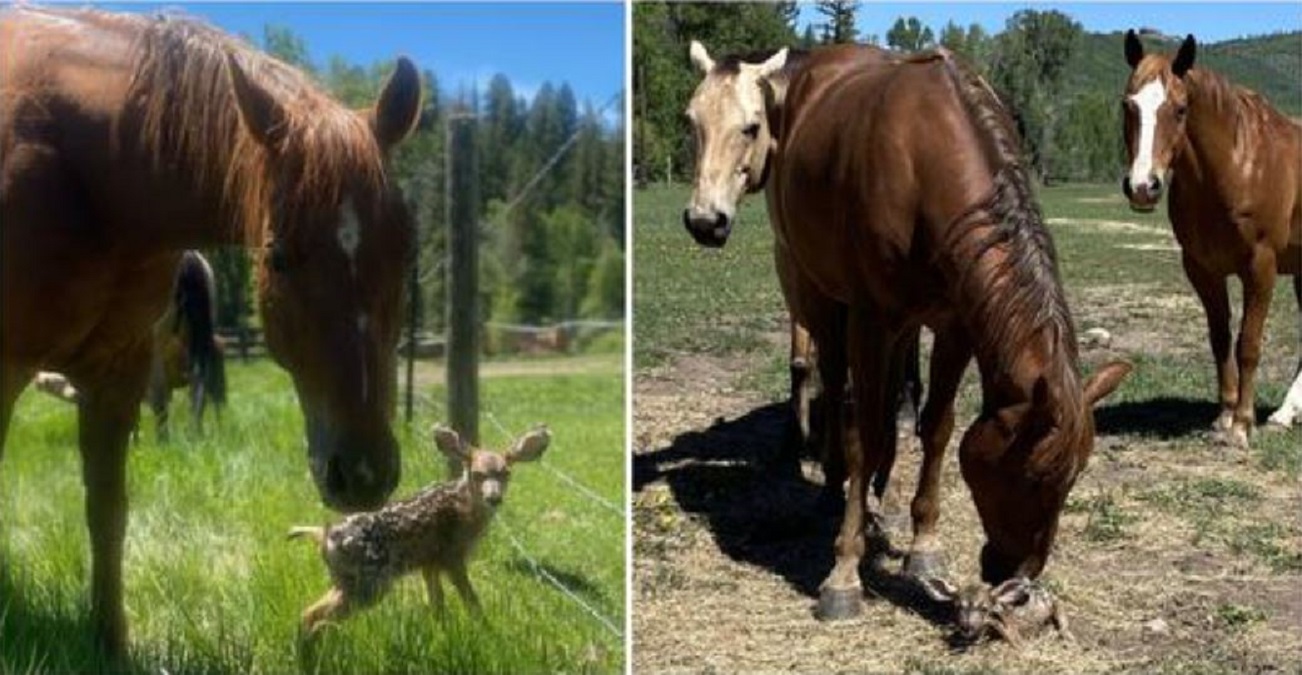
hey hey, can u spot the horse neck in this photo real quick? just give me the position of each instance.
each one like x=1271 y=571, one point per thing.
x=1213 y=118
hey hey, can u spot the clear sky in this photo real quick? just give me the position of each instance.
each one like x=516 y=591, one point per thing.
x=463 y=43
x=1210 y=22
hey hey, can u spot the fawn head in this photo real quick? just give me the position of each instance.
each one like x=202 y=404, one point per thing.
x=978 y=606
x=487 y=472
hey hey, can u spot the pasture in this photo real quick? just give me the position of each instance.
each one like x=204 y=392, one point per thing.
x=213 y=586
x=1172 y=555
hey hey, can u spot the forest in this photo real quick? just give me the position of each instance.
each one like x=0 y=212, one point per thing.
x=1061 y=83
x=550 y=186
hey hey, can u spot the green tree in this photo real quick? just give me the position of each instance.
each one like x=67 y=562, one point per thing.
x=910 y=35
x=839 y=25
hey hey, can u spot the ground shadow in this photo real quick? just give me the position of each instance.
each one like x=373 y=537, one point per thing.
x=574 y=581
x=1164 y=418
x=758 y=516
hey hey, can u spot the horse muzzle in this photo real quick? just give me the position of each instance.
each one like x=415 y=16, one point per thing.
x=1143 y=198
x=707 y=231
x=354 y=473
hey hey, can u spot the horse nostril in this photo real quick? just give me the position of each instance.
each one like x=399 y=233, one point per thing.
x=720 y=222
x=1155 y=185
x=687 y=219
x=1125 y=186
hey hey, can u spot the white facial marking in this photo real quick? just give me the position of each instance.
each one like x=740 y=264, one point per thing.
x=350 y=233
x=1148 y=98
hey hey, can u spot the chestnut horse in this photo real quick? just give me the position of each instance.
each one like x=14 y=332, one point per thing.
x=187 y=351
x=126 y=139
x=732 y=115
x=1235 y=176
x=899 y=192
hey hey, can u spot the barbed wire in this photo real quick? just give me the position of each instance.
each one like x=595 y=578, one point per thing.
x=542 y=573
x=583 y=489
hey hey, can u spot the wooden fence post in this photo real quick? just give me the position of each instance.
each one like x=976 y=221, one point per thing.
x=463 y=292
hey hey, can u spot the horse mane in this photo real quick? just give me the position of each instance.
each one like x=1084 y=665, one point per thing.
x=190 y=120
x=1028 y=297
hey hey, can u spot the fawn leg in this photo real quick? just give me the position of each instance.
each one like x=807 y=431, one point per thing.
x=434 y=589
x=462 y=583
x=333 y=605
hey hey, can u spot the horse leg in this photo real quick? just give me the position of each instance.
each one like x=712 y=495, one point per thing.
x=106 y=413
x=907 y=388
x=837 y=434
x=1258 y=289
x=1291 y=408
x=888 y=516
x=841 y=593
x=1211 y=291
x=949 y=358
x=801 y=366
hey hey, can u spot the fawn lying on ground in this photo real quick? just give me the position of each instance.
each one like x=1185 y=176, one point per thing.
x=434 y=531
x=1014 y=609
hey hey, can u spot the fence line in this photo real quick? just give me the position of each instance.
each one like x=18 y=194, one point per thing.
x=583 y=489
x=550 y=578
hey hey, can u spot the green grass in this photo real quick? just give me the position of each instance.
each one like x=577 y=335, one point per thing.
x=213 y=586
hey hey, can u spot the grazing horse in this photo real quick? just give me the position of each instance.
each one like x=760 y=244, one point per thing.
x=187 y=351
x=1235 y=176
x=732 y=113
x=126 y=139
x=899 y=193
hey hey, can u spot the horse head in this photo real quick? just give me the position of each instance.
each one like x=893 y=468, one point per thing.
x=331 y=279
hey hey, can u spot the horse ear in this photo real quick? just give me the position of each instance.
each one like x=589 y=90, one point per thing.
x=1184 y=59
x=700 y=57
x=262 y=115
x=1134 y=49
x=530 y=446
x=1105 y=380
x=774 y=63
x=450 y=444
x=399 y=106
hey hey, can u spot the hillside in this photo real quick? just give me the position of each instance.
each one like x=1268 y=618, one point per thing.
x=1268 y=64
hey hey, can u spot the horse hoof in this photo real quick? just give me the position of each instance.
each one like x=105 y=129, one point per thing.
x=839 y=604
x=925 y=564
x=1235 y=438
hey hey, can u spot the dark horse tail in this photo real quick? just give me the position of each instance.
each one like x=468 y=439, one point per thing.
x=195 y=299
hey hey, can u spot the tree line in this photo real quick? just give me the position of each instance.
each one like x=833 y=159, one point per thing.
x=1060 y=83
x=553 y=253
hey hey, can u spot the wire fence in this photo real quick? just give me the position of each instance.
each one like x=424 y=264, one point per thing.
x=543 y=574
x=583 y=489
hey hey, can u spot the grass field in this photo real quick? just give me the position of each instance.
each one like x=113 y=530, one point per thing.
x=1173 y=555
x=213 y=586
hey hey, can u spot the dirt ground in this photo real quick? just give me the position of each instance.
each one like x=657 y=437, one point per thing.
x=1173 y=555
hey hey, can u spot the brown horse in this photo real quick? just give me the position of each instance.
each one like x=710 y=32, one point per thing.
x=732 y=113
x=126 y=139
x=187 y=351
x=898 y=191
x=1235 y=171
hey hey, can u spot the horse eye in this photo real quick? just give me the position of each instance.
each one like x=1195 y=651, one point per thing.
x=1180 y=111
x=751 y=131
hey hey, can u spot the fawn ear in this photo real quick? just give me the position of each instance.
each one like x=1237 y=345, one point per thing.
x=1011 y=593
x=450 y=444
x=940 y=590
x=530 y=446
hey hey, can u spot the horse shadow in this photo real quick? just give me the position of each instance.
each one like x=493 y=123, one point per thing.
x=1163 y=418
x=762 y=517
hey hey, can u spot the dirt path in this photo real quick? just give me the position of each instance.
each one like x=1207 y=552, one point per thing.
x=1172 y=555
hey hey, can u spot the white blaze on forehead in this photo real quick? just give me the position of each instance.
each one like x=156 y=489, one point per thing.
x=350 y=231
x=1148 y=99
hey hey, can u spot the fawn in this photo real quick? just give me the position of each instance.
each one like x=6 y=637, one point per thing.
x=1016 y=608
x=434 y=531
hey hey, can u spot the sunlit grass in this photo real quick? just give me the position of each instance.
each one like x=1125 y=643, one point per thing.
x=212 y=585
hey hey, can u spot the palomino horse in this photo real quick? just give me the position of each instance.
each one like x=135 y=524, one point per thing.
x=187 y=352
x=898 y=192
x=127 y=139
x=732 y=115
x=1235 y=204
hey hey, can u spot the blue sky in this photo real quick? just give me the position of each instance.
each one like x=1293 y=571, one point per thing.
x=531 y=43
x=1210 y=22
